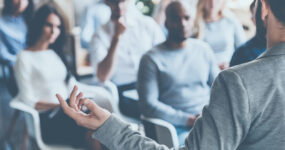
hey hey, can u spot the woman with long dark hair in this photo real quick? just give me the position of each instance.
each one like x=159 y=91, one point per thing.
x=41 y=71
x=16 y=15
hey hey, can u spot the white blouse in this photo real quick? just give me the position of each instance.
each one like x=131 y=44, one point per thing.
x=41 y=74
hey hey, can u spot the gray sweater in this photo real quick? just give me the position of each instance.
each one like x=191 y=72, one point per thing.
x=246 y=112
x=175 y=83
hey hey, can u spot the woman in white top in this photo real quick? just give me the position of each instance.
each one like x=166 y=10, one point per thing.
x=41 y=71
x=220 y=28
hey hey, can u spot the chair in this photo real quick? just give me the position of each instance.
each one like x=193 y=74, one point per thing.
x=160 y=131
x=31 y=117
x=33 y=124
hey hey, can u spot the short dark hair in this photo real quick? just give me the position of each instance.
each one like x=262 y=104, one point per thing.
x=36 y=26
x=9 y=10
x=277 y=7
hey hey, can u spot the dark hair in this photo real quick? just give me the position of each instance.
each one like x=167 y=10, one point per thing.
x=260 y=27
x=35 y=31
x=252 y=6
x=9 y=10
x=277 y=7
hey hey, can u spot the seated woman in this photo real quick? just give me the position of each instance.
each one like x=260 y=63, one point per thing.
x=41 y=71
x=220 y=28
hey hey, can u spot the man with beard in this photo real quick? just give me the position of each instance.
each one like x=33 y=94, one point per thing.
x=246 y=109
x=175 y=77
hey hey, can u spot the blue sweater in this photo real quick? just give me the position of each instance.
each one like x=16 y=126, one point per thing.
x=13 y=33
x=174 y=84
x=249 y=51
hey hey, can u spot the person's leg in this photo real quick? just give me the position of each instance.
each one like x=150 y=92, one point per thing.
x=128 y=106
x=182 y=133
x=62 y=130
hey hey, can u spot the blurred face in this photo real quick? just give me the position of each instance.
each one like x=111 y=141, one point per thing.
x=214 y=6
x=179 y=24
x=51 y=29
x=20 y=5
x=118 y=8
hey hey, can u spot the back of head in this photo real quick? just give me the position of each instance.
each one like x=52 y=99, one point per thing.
x=277 y=7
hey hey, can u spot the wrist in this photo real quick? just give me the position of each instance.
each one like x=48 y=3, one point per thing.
x=116 y=37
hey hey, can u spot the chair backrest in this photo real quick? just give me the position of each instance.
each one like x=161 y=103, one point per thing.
x=160 y=131
x=32 y=120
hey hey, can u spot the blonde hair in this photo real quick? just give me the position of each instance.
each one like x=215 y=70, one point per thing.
x=199 y=22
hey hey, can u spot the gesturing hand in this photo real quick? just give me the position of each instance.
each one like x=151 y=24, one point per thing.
x=93 y=120
x=120 y=27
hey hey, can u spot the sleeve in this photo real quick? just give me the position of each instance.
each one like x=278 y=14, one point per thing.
x=214 y=69
x=239 y=34
x=98 y=48
x=148 y=92
x=87 y=27
x=5 y=55
x=24 y=78
x=117 y=135
x=225 y=122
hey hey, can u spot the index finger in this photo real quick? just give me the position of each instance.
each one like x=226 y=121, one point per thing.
x=72 y=97
x=62 y=102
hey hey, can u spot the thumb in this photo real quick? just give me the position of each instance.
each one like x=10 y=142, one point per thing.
x=89 y=104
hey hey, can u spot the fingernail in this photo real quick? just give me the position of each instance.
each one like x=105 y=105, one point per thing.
x=86 y=102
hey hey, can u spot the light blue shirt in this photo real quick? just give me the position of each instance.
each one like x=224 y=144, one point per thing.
x=174 y=84
x=224 y=36
x=13 y=33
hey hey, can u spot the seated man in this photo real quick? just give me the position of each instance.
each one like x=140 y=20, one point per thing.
x=246 y=109
x=118 y=46
x=254 y=47
x=175 y=77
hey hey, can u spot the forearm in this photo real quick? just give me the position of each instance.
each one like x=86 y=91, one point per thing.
x=105 y=67
x=44 y=105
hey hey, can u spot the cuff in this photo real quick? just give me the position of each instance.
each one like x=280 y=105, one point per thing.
x=109 y=130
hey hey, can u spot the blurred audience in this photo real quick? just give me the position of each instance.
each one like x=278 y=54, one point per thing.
x=41 y=70
x=175 y=77
x=95 y=16
x=16 y=15
x=246 y=110
x=254 y=47
x=220 y=28
x=118 y=46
